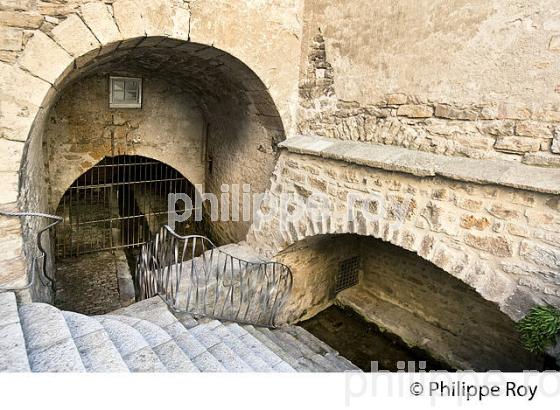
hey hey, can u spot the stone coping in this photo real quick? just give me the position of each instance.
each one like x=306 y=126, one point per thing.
x=392 y=158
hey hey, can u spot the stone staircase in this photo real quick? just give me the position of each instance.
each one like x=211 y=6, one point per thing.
x=147 y=337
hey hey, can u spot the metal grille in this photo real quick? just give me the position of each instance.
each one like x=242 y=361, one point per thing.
x=348 y=273
x=119 y=203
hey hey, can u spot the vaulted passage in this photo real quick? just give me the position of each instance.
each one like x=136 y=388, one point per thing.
x=137 y=122
x=119 y=204
x=109 y=212
x=422 y=311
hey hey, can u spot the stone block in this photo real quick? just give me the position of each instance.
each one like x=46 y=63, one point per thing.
x=542 y=159
x=497 y=128
x=17 y=4
x=517 y=145
x=415 y=111
x=541 y=255
x=468 y=204
x=10 y=155
x=533 y=129
x=453 y=113
x=100 y=22
x=181 y=23
x=555 y=147
x=495 y=245
x=158 y=18
x=396 y=99
x=502 y=212
x=9 y=191
x=128 y=15
x=537 y=218
x=45 y=58
x=470 y=221
x=20 y=19
x=513 y=111
x=74 y=36
x=11 y=39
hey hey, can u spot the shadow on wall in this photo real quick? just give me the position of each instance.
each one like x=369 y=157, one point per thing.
x=199 y=103
x=406 y=295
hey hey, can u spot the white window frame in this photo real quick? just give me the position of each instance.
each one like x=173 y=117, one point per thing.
x=137 y=104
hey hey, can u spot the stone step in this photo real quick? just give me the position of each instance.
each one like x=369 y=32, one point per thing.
x=274 y=361
x=232 y=362
x=340 y=363
x=265 y=337
x=50 y=346
x=13 y=354
x=321 y=363
x=155 y=310
x=311 y=361
x=133 y=348
x=97 y=351
x=231 y=339
x=161 y=342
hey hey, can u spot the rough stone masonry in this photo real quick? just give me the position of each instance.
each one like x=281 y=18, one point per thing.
x=459 y=100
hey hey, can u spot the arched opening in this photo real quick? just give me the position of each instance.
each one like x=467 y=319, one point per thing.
x=374 y=301
x=109 y=212
x=203 y=113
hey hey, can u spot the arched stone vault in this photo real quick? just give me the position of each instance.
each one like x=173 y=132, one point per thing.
x=157 y=37
x=444 y=222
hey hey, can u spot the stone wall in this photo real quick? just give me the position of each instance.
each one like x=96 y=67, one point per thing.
x=314 y=265
x=47 y=45
x=432 y=310
x=408 y=297
x=473 y=79
x=503 y=242
x=82 y=130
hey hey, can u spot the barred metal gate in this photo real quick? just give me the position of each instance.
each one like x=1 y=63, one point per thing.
x=117 y=204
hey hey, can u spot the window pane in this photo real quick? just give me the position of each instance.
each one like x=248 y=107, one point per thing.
x=118 y=95
x=131 y=96
x=131 y=85
x=118 y=85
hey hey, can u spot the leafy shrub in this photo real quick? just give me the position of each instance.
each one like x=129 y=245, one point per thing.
x=539 y=328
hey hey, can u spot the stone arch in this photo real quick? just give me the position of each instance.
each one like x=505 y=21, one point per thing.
x=404 y=295
x=97 y=35
x=414 y=229
x=439 y=253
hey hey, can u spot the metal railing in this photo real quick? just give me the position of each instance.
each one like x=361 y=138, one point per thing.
x=40 y=256
x=194 y=276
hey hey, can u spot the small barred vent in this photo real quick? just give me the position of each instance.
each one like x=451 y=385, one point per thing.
x=348 y=271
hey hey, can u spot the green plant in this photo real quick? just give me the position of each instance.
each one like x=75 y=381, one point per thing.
x=539 y=328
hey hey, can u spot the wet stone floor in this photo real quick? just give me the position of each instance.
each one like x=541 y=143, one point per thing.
x=363 y=343
x=88 y=284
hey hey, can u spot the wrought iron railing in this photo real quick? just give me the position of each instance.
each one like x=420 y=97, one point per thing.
x=194 y=276
x=39 y=256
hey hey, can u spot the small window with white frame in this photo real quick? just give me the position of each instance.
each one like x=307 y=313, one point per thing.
x=125 y=92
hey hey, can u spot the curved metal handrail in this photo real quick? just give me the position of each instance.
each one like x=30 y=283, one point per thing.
x=45 y=279
x=194 y=276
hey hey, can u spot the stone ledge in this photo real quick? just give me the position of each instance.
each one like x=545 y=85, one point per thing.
x=392 y=158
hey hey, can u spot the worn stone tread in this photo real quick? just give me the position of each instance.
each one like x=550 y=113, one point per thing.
x=133 y=348
x=97 y=351
x=13 y=353
x=49 y=343
x=231 y=340
x=161 y=342
x=273 y=346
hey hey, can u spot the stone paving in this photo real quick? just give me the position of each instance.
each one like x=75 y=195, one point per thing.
x=89 y=284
